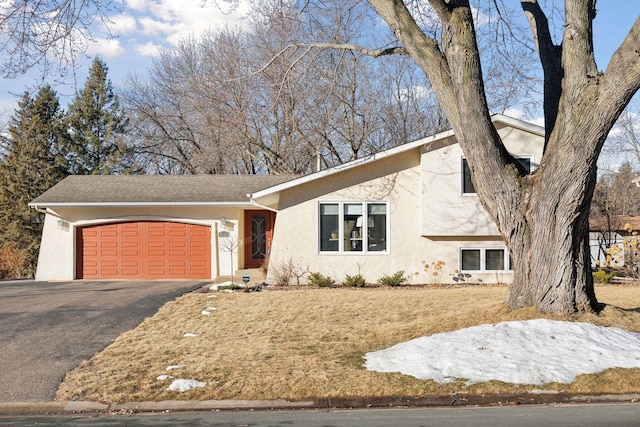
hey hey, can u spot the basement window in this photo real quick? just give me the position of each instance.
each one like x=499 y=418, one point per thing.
x=485 y=260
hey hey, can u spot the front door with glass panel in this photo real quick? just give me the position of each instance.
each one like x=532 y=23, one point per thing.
x=258 y=230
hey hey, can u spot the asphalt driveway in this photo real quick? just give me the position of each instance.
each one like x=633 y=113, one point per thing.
x=46 y=329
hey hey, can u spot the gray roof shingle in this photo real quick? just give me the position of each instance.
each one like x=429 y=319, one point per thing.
x=157 y=189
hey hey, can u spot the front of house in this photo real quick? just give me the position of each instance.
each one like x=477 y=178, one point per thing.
x=410 y=208
x=152 y=227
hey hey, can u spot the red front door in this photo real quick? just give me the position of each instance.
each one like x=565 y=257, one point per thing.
x=258 y=231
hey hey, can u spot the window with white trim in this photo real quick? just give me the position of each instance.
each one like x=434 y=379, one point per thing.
x=484 y=260
x=467 y=184
x=353 y=227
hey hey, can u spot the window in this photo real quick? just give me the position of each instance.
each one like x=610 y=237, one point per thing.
x=484 y=259
x=467 y=184
x=353 y=227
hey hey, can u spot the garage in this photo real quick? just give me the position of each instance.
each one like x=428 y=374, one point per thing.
x=144 y=250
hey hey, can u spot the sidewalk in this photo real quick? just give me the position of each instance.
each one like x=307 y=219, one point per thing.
x=83 y=407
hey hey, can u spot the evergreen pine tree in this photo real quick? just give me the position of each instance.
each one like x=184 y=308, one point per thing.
x=97 y=126
x=31 y=164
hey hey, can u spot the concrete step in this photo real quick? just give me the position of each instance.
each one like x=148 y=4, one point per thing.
x=256 y=275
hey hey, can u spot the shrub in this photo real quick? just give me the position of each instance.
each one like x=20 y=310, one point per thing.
x=283 y=272
x=280 y=273
x=602 y=276
x=395 y=280
x=14 y=262
x=320 y=280
x=356 y=281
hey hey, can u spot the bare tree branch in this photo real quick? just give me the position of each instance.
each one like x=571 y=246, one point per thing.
x=48 y=33
x=550 y=58
x=374 y=53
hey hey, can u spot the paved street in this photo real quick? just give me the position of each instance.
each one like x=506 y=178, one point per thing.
x=510 y=416
x=46 y=329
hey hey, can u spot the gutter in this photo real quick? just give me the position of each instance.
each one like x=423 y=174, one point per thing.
x=45 y=211
x=136 y=204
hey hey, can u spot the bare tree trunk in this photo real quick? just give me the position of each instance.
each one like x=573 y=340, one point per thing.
x=549 y=246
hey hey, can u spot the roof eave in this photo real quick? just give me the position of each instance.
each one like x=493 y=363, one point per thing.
x=44 y=205
x=518 y=124
x=352 y=164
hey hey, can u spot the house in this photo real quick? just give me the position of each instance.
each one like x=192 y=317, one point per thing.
x=410 y=208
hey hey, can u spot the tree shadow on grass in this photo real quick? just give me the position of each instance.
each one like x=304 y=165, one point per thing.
x=602 y=307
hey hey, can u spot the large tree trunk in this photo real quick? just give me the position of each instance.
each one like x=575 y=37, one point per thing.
x=549 y=242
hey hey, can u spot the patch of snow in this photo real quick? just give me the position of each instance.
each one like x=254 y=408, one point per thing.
x=206 y=313
x=538 y=351
x=184 y=385
x=169 y=368
x=164 y=377
x=220 y=285
x=189 y=335
x=210 y=308
x=212 y=296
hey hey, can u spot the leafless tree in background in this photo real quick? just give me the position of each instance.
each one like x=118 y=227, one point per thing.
x=267 y=102
x=623 y=144
x=49 y=34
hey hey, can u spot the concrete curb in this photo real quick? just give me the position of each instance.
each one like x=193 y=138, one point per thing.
x=85 y=407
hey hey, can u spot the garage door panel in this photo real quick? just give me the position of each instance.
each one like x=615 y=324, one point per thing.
x=144 y=249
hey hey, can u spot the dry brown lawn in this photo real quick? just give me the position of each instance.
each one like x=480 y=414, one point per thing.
x=309 y=343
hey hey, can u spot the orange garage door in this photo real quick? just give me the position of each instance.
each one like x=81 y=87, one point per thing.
x=144 y=250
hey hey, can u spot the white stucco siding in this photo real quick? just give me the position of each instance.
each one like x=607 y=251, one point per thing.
x=446 y=210
x=396 y=181
x=58 y=248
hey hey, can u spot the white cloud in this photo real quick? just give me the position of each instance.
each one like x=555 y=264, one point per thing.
x=514 y=112
x=177 y=20
x=417 y=92
x=538 y=121
x=137 y=4
x=153 y=27
x=122 y=24
x=148 y=49
x=107 y=48
x=480 y=18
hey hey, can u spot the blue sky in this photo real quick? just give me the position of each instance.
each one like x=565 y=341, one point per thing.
x=146 y=26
